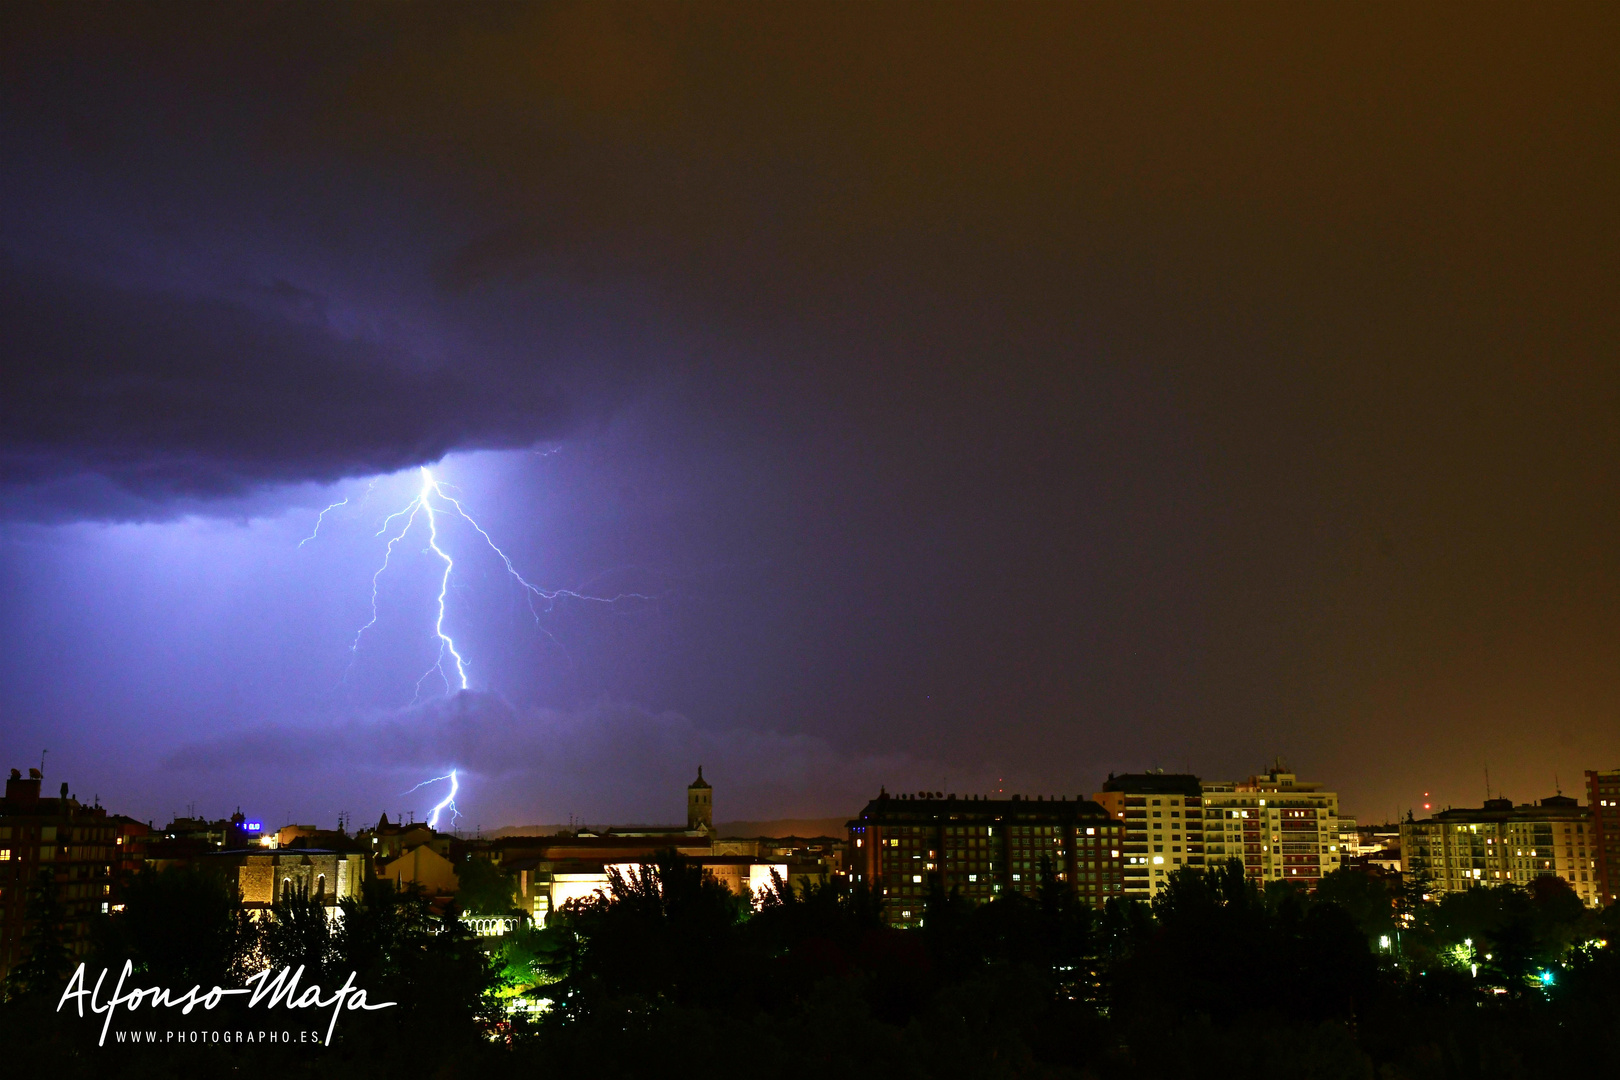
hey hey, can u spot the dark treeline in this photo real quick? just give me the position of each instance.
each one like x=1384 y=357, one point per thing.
x=671 y=973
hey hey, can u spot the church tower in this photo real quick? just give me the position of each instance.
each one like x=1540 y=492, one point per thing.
x=699 y=804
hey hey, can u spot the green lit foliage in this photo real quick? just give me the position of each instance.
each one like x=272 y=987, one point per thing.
x=525 y=960
x=1507 y=937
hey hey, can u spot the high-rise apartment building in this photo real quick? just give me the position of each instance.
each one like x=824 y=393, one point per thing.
x=1503 y=844
x=1603 y=839
x=903 y=846
x=77 y=844
x=1163 y=818
x=1282 y=828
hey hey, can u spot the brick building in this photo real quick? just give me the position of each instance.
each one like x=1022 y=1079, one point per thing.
x=129 y=857
x=1603 y=804
x=76 y=843
x=904 y=845
x=1283 y=828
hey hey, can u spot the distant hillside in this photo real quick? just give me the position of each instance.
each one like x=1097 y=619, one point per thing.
x=781 y=827
x=785 y=827
x=527 y=830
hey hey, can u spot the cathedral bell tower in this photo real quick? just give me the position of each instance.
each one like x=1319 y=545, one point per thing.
x=699 y=804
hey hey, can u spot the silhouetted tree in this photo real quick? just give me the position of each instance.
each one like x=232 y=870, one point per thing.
x=484 y=888
x=47 y=959
x=296 y=934
x=666 y=931
x=429 y=964
x=1364 y=896
x=180 y=926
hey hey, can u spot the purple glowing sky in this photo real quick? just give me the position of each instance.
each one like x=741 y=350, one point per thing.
x=991 y=401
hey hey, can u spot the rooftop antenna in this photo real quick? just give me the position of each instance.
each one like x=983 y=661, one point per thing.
x=42 y=754
x=1487 y=780
x=1557 y=787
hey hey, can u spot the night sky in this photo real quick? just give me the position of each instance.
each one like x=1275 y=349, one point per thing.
x=981 y=398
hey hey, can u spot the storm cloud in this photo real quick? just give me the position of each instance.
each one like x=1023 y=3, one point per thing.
x=1069 y=387
x=169 y=395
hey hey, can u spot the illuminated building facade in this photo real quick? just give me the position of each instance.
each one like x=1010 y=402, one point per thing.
x=1603 y=801
x=422 y=867
x=1503 y=844
x=905 y=846
x=261 y=876
x=1164 y=826
x=807 y=858
x=1371 y=847
x=552 y=871
x=1281 y=828
x=569 y=868
x=78 y=844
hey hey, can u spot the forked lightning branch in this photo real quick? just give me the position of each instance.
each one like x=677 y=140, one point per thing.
x=431 y=503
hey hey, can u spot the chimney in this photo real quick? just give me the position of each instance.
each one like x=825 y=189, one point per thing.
x=23 y=791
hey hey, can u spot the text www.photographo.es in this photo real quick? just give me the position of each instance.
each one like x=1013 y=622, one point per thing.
x=281 y=990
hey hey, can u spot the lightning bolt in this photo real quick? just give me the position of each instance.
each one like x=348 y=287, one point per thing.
x=548 y=595
x=320 y=518
x=447 y=803
x=433 y=491
x=388 y=553
x=445 y=644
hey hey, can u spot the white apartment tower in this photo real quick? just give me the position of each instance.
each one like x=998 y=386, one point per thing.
x=1279 y=827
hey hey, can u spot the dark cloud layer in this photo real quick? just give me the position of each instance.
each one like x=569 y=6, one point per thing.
x=189 y=396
